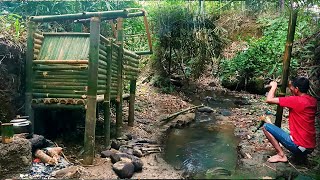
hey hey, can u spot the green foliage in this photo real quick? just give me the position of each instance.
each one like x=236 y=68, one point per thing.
x=163 y=83
x=185 y=41
x=134 y=29
x=263 y=57
x=13 y=24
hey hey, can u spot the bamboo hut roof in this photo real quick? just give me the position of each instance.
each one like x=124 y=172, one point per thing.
x=64 y=47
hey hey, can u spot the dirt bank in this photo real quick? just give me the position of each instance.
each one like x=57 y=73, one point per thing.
x=11 y=80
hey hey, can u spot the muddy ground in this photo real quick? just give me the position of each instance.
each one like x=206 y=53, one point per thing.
x=151 y=106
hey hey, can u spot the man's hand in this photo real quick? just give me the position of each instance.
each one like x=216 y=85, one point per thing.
x=270 y=97
x=273 y=84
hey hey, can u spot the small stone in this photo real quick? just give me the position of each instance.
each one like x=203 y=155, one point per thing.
x=114 y=158
x=123 y=169
x=106 y=153
x=138 y=164
x=129 y=136
x=125 y=155
x=137 y=152
x=115 y=145
x=129 y=151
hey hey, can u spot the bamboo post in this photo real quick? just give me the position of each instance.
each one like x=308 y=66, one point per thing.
x=131 y=102
x=29 y=58
x=286 y=61
x=107 y=98
x=119 y=93
x=89 y=137
x=147 y=30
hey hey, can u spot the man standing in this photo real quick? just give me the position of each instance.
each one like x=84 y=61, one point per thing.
x=302 y=109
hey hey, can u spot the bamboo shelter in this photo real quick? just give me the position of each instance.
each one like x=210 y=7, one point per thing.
x=76 y=70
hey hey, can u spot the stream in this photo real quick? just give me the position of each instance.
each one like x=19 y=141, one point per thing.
x=206 y=149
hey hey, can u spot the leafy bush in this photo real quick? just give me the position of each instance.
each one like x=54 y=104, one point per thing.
x=263 y=57
x=186 y=42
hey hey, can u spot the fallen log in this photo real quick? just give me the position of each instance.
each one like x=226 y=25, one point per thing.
x=174 y=115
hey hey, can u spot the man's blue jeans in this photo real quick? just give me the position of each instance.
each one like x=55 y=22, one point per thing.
x=284 y=138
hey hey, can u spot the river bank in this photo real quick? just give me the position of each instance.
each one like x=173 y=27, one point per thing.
x=253 y=148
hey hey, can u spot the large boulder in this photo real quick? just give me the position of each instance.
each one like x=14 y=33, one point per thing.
x=15 y=158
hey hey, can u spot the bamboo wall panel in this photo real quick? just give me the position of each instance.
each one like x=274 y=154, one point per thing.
x=64 y=47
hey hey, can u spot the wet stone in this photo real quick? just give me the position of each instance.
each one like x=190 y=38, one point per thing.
x=225 y=112
x=204 y=117
x=205 y=109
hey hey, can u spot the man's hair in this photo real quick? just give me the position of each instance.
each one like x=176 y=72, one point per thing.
x=302 y=83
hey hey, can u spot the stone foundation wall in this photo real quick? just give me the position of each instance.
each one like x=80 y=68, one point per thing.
x=15 y=158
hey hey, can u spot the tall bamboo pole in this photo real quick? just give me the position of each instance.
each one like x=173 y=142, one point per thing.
x=131 y=102
x=29 y=58
x=145 y=20
x=90 y=124
x=107 y=98
x=119 y=94
x=286 y=61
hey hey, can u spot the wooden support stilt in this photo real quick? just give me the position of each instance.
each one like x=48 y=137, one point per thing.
x=131 y=102
x=90 y=124
x=29 y=62
x=107 y=119
x=120 y=79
